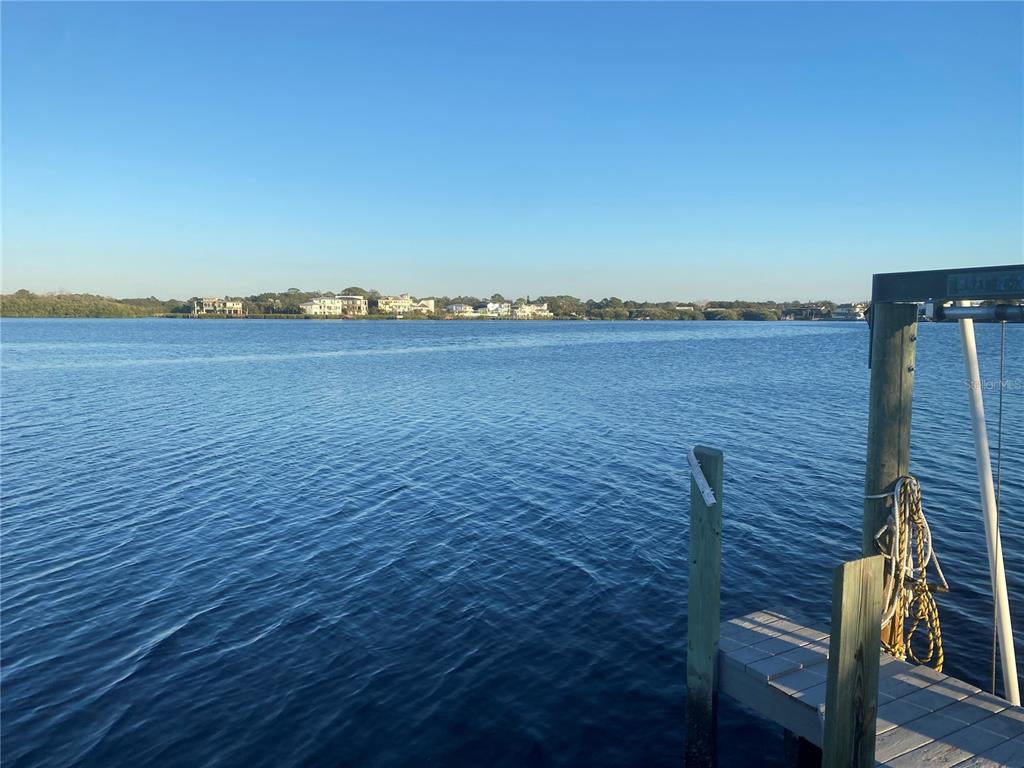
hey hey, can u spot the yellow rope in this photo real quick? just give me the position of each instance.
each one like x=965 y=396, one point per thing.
x=906 y=542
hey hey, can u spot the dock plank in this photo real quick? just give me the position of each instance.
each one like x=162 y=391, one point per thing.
x=777 y=665
x=1009 y=753
x=1009 y=722
x=916 y=733
x=951 y=750
x=976 y=707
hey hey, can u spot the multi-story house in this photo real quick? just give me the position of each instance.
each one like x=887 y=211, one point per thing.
x=397 y=305
x=460 y=310
x=214 y=306
x=333 y=306
x=403 y=304
x=531 y=312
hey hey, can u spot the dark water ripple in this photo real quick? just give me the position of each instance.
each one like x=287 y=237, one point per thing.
x=270 y=543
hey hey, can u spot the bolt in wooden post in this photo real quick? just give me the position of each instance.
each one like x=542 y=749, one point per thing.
x=702 y=614
x=851 y=696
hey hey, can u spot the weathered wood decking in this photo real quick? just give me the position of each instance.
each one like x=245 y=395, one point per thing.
x=778 y=666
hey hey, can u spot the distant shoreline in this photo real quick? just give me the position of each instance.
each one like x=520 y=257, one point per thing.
x=359 y=304
x=414 y=318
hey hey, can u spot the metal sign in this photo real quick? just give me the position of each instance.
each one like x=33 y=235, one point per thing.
x=993 y=284
x=1004 y=281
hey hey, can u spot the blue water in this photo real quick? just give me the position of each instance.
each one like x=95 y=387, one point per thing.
x=268 y=543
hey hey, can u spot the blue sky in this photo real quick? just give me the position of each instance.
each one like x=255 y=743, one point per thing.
x=655 y=151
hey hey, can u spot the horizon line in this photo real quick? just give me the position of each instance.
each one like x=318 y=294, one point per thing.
x=482 y=297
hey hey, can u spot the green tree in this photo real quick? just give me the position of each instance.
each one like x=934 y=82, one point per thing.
x=564 y=306
x=719 y=313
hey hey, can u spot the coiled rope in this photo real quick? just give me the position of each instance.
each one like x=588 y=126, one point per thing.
x=906 y=542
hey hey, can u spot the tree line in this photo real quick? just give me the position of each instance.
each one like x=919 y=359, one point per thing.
x=27 y=304
x=24 y=303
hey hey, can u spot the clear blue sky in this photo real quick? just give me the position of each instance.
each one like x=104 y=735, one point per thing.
x=654 y=151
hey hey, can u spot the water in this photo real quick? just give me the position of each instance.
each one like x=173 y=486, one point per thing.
x=378 y=543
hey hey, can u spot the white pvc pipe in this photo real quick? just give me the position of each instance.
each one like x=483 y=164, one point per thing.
x=988 y=507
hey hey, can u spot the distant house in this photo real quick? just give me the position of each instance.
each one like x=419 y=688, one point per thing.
x=684 y=308
x=849 y=312
x=493 y=309
x=531 y=312
x=806 y=312
x=460 y=310
x=335 y=306
x=403 y=304
x=215 y=306
x=394 y=305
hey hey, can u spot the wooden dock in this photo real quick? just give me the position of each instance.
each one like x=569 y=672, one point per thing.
x=839 y=690
x=778 y=666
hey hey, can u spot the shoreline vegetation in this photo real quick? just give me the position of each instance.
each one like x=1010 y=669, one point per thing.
x=286 y=305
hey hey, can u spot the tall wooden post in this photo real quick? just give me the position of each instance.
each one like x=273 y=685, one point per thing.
x=851 y=695
x=893 y=351
x=702 y=615
x=893 y=347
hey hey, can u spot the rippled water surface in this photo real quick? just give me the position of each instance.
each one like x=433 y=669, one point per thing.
x=269 y=543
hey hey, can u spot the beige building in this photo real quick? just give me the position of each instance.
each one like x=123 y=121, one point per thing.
x=216 y=306
x=403 y=304
x=334 y=306
x=531 y=312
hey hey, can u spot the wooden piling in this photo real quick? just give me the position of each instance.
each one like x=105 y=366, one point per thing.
x=851 y=698
x=893 y=347
x=702 y=614
x=893 y=353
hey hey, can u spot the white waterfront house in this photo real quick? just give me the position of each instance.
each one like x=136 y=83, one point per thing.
x=398 y=305
x=499 y=308
x=531 y=312
x=460 y=310
x=333 y=306
x=215 y=306
x=403 y=304
x=849 y=312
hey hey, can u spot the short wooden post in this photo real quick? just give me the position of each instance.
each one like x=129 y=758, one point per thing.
x=702 y=614
x=851 y=697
